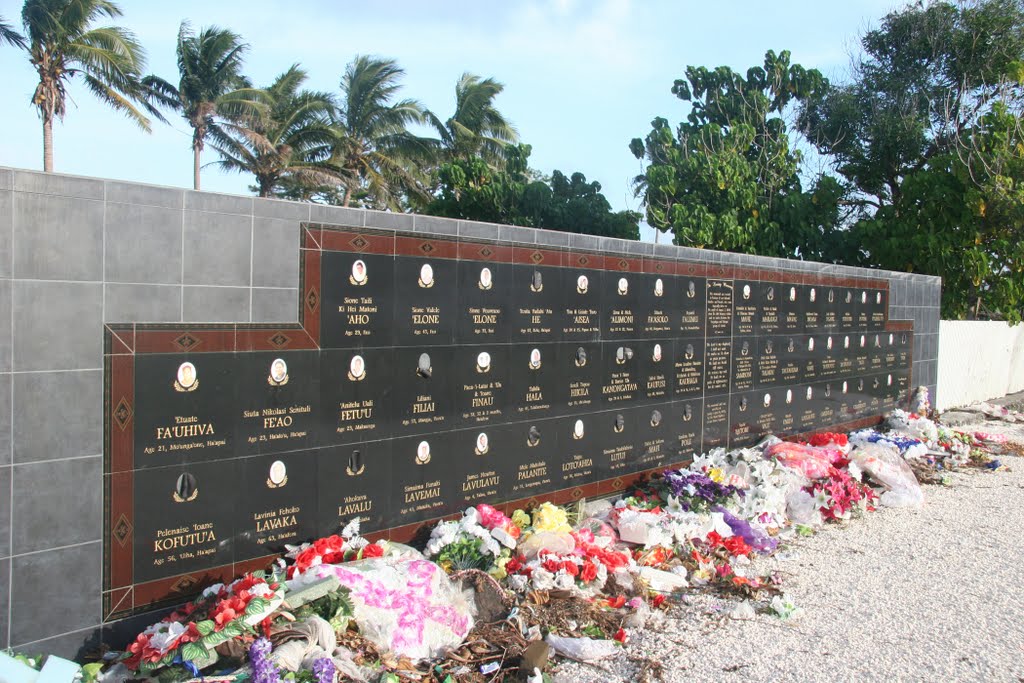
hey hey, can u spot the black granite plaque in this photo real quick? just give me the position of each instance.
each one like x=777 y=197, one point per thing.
x=689 y=366
x=534 y=380
x=890 y=346
x=743 y=421
x=485 y=463
x=655 y=437
x=621 y=380
x=790 y=359
x=578 y=384
x=482 y=392
x=184 y=519
x=720 y=308
x=744 y=357
x=905 y=346
x=279 y=506
x=847 y=312
x=189 y=413
x=484 y=293
x=426 y=303
x=876 y=352
x=786 y=404
x=580 y=441
x=581 y=319
x=425 y=477
x=769 y=312
x=618 y=442
x=656 y=369
x=747 y=295
x=356 y=394
x=354 y=481
x=278 y=401
x=862 y=308
x=767 y=411
x=716 y=422
x=622 y=316
x=847 y=354
x=660 y=299
x=717 y=366
x=768 y=361
x=534 y=461
x=425 y=381
x=830 y=354
x=830 y=315
x=861 y=352
x=808 y=403
x=358 y=300
x=810 y=361
x=814 y=308
x=687 y=427
x=792 y=308
x=692 y=313
x=538 y=308
x=827 y=396
x=878 y=308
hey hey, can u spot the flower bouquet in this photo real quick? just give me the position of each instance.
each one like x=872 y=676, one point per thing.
x=838 y=494
x=471 y=542
x=335 y=549
x=218 y=615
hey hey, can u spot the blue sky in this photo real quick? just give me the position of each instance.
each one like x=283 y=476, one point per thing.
x=582 y=77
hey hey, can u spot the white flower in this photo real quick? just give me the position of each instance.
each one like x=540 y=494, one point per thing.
x=212 y=590
x=162 y=639
x=854 y=471
x=543 y=580
x=351 y=529
x=563 y=581
x=517 y=582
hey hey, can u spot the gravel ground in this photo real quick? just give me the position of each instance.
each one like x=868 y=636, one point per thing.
x=899 y=595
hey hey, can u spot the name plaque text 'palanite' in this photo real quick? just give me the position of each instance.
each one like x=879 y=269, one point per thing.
x=427 y=374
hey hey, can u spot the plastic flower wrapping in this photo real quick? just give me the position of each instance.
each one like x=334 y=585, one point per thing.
x=479 y=540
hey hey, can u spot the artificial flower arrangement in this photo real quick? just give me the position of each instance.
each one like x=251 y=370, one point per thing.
x=829 y=439
x=334 y=549
x=221 y=613
x=839 y=494
x=914 y=425
x=483 y=537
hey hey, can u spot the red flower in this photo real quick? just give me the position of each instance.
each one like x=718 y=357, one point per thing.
x=620 y=635
x=265 y=625
x=714 y=539
x=617 y=602
x=552 y=565
x=589 y=573
x=570 y=568
x=514 y=565
x=658 y=600
x=736 y=546
x=373 y=550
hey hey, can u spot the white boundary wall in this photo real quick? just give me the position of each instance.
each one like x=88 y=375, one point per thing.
x=978 y=360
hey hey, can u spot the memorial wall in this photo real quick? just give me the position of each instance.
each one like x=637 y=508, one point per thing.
x=427 y=373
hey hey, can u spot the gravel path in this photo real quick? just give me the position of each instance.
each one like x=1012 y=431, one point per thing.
x=898 y=595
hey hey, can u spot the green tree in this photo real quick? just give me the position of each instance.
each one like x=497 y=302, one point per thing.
x=474 y=190
x=293 y=139
x=63 y=43
x=211 y=86
x=925 y=135
x=727 y=177
x=10 y=36
x=380 y=159
x=477 y=128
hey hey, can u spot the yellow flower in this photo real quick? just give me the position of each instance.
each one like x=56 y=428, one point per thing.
x=550 y=517
x=521 y=519
x=716 y=475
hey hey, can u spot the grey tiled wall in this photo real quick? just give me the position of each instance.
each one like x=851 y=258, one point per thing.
x=77 y=252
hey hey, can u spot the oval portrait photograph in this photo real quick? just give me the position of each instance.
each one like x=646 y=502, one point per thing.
x=187 y=379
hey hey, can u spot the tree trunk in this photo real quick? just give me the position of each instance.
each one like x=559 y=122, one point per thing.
x=348 y=196
x=47 y=142
x=195 y=167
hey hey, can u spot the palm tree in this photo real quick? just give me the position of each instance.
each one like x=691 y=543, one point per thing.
x=374 y=150
x=211 y=85
x=63 y=44
x=294 y=140
x=10 y=36
x=477 y=128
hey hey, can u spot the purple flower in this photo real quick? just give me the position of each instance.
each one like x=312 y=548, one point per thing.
x=323 y=669
x=696 y=490
x=755 y=537
x=263 y=670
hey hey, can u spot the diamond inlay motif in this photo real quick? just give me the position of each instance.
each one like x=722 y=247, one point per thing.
x=359 y=242
x=279 y=340
x=187 y=341
x=623 y=264
x=312 y=300
x=184 y=584
x=122 y=413
x=583 y=260
x=427 y=247
x=577 y=493
x=617 y=483
x=122 y=531
x=486 y=252
x=536 y=257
